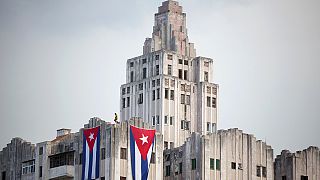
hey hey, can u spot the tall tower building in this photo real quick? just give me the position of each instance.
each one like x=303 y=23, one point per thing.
x=169 y=86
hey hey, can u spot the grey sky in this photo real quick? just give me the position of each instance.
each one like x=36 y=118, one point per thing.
x=62 y=62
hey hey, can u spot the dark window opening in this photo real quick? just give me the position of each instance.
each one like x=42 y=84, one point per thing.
x=40 y=150
x=169 y=70
x=171 y=120
x=123 y=153
x=62 y=159
x=166 y=93
x=131 y=64
x=171 y=94
x=158 y=93
x=153 y=158
x=218 y=164
x=304 y=177
x=144 y=61
x=233 y=165
x=211 y=164
x=144 y=73
x=103 y=153
x=206 y=76
x=185 y=75
x=193 y=164
x=214 y=102
x=168 y=170
x=208 y=101
x=131 y=76
x=259 y=171
x=180 y=73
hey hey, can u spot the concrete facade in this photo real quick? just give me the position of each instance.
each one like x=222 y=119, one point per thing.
x=301 y=165
x=168 y=86
x=227 y=154
x=61 y=158
x=169 y=89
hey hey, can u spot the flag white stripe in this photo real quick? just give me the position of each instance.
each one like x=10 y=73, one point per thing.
x=87 y=161
x=138 y=162
x=149 y=155
x=94 y=157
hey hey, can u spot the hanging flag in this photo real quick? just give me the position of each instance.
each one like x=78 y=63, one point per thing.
x=141 y=145
x=91 y=153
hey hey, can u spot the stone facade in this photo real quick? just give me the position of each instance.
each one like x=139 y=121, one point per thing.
x=302 y=165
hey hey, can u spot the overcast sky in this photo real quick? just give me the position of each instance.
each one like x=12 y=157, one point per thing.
x=62 y=62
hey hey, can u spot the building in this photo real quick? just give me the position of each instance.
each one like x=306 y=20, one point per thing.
x=170 y=89
x=168 y=86
x=301 y=165
x=227 y=154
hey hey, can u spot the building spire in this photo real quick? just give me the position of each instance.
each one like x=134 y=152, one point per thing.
x=169 y=31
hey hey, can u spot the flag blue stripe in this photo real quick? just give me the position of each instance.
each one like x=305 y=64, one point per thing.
x=90 y=164
x=144 y=169
x=133 y=160
x=83 y=157
x=98 y=155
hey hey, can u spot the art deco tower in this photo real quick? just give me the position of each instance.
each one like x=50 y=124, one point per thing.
x=169 y=86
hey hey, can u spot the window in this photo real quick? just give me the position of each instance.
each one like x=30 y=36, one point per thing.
x=123 y=102
x=40 y=171
x=128 y=90
x=264 y=172
x=141 y=86
x=166 y=147
x=144 y=61
x=171 y=120
x=158 y=82
x=80 y=158
x=165 y=119
x=3 y=175
x=182 y=98
x=180 y=61
x=206 y=64
x=131 y=64
x=153 y=95
x=233 y=165
x=185 y=75
x=103 y=178
x=123 y=153
x=153 y=83
x=62 y=159
x=153 y=158
x=144 y=73
x=123 y=91
x=158 y=120
x=211 y=164
x=214 y=102
x=128 y=101
x=206 y=78
x=123 y=178
x=28 y=167
x=169 y=57
x=208 y=101
x=40 y=150
x=304 y=177
x=103 y=153
x=166 y=93
x=131 y=76
x=193 y=164
x=208 y=126
x=140 y=99
x=168 y=170
x=171 y=94
x=169 y=70
x=153 y=120
x=214 y=127
x=187 y=99
x=240 y=166
x=180 y=168
x=186 y=62
x=187 y=125
x=259 y=171
x=180 y=73
x=158 y=93
x=284 y=177
x=157 y=69
x=218 y=166
x=157 y=57
x=182 y=124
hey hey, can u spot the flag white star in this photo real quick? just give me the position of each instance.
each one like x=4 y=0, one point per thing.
x=144 y=139
x=91 y=136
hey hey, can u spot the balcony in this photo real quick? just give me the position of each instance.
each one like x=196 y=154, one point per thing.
x=62 y=172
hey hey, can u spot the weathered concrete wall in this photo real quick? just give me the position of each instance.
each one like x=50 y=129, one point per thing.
x=294 y=166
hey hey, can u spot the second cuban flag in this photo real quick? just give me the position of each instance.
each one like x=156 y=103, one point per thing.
x=91 y=153
x=141 y=145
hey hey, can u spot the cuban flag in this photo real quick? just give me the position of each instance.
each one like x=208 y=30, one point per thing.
x=141 y=145
x=91 y=153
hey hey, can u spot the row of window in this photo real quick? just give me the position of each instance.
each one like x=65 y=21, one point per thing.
x=144 y=73
x=28 y=167
x=144 y=61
